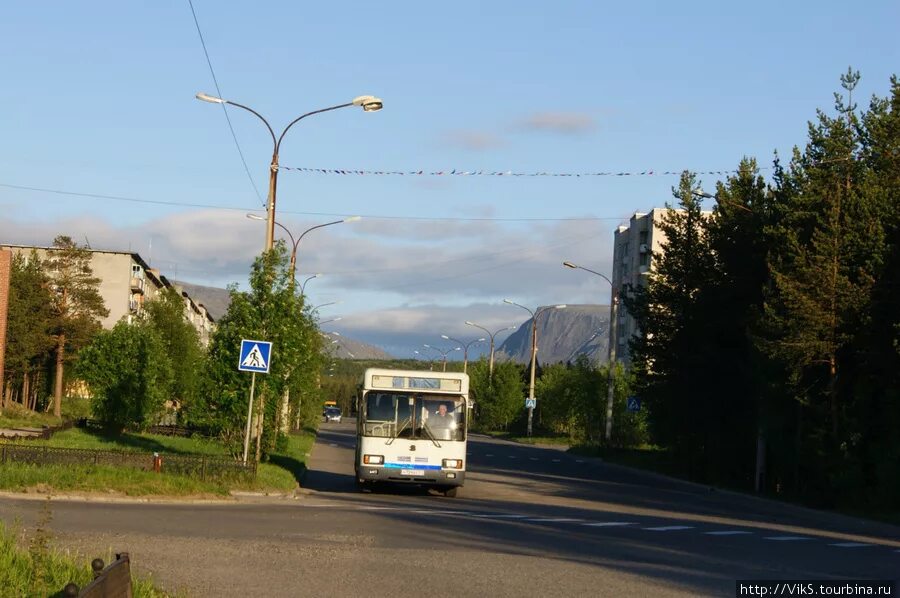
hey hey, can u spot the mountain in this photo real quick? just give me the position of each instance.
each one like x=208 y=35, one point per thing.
x=347 y=348
x=562 y=335
x=217 y=300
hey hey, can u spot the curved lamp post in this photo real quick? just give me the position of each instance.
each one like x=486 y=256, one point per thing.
x=303 y=286
x=296 y=244
x=613 y=319
x=534 y=349
x=491 y=335
x=368 y=104
x=465 y=348
x=443 y=353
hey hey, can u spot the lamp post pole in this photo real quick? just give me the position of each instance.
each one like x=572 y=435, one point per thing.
x=534 y=349
x=368 y=104
x=491 y=336
x=443 y=353
x=613 y=319
x=466 y=348
x=303 y=286
x=296 y=244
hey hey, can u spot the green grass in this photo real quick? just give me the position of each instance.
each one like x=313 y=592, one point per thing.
x=561 y=440
x=281 y=474
x=142 y=443
x=41 y=570
x=18 y=417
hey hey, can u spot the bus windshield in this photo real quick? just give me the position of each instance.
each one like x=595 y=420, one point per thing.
x=414 y=416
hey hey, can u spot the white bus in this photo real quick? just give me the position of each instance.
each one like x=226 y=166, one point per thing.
x=411 y=428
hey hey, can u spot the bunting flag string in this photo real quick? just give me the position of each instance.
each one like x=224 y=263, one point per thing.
x=456 y=172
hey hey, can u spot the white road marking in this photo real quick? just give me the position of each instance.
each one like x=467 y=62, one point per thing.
x=379 y=508
x=579 y=461
x=786 y=538
x=850 y=544
x=668 y=528
x=489 y=455
x=489 y=516
x=554 y=520
x=608 y=524
x=730 y=532
x=511 y=456
x=332 y=444
x=556 y=460
x=533 y=458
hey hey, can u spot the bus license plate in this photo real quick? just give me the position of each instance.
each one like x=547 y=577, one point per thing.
x=412 y=472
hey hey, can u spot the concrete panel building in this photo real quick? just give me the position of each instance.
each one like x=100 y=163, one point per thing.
x=126 y=283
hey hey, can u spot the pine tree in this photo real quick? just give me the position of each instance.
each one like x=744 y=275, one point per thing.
x=76 y=304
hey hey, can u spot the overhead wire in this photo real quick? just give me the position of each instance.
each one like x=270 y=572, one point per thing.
x=298 y=213
x=224 y=108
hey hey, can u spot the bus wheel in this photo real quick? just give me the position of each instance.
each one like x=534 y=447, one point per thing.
x=451 y=491
x=362 y=486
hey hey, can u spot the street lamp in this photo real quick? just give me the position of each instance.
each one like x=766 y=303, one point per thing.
x=303 y=286
x=466 y=348
x=316 y=308
x=610 y=383
x=443 y=353
x=491 y=335
x=368 y=104
x=699 y=192
x=534 y=349
x=296 y=244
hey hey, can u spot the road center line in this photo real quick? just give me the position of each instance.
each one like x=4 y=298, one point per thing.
x=850 y=544
x=786 y=538
x=554 y=520
x=608 y=524
x=730 y=532
x=668 y=528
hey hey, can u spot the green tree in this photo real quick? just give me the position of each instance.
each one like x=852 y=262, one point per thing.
x=28 y=331
x=76 y=304
x=165 y=314
x=499 y=400
x=129 y=374
x=270 y=310
x=670 y=357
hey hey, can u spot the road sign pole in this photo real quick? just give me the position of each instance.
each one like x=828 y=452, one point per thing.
x=249 y=416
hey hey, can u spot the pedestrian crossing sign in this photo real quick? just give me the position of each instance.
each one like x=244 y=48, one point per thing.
x=255 y=356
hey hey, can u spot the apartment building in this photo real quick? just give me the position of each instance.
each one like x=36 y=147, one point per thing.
x=126 y=283
x=634 y=247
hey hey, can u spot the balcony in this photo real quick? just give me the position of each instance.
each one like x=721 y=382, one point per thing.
x=137 y=284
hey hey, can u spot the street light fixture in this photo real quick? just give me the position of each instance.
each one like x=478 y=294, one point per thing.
x=534 y=349
x=303 y=286
x=368 y=104
x=316 y=308
x=443 y=352
x=466 y=348
x=699 y=192
x=491 y=335
x=613 y=319
x=296 y=244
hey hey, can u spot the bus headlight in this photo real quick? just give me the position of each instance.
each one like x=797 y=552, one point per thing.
x=373 y=459
x=453 y=463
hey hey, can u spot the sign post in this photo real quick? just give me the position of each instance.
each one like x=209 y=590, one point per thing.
x=255 y=357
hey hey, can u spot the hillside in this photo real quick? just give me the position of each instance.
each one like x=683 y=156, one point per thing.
x=216 y=301
x=563 y=334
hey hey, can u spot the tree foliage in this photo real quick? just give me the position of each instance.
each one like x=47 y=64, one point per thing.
x=498 y=398
x=76 y=304
x=129 y=375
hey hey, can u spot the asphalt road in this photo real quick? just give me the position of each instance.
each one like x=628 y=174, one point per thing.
x=529 y=522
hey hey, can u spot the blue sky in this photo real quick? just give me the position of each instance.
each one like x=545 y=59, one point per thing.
x=98 y=98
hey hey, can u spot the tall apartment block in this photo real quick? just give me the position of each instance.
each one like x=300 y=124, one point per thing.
x=633 y=248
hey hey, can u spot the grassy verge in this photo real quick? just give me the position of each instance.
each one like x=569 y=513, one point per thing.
x=649 y=458
x=280 y=474
x=41 y=570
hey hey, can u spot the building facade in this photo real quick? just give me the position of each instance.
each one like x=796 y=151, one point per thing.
x=126 y=283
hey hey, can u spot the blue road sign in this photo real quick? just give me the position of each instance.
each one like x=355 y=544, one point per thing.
x=530 y=403
x=633 y=404
x=255 y=356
